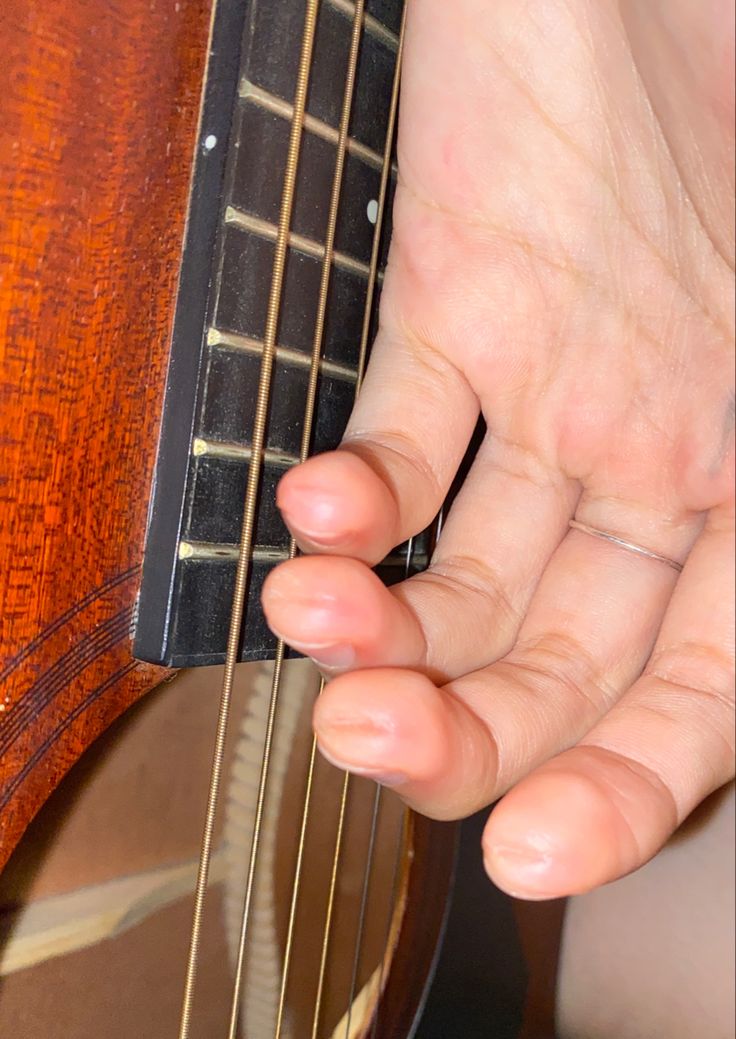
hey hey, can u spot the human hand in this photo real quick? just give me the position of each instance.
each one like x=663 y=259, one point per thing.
x=562 y=260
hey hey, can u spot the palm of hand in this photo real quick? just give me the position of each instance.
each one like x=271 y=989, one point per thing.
x=558 y=264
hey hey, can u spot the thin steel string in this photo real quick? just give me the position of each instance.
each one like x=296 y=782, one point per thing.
x=368 y=869
x=363 y=906
x=342 y=142
x=246 y=540
x=385 y=173
x=330 y=905
x=373 y=272
x=395 y=878
x=296 y=885
x=395 y=882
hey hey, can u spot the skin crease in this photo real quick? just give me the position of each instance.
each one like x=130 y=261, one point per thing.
x=562 y=261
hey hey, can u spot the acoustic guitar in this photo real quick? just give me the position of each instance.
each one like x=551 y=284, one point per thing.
x=195 y=201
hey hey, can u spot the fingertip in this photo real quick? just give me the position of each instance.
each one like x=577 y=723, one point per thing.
x=336 y=502
x=337 y=611
x=385 y=721
x=557 y=833
x=332 y=581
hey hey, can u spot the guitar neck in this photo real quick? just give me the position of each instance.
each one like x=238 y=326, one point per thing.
x=206 y=447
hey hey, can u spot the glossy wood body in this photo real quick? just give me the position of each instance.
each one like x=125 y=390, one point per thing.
x=99 y=102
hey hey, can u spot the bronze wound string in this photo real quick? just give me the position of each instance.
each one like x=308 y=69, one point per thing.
x=246 y=544
x=292 y=163
x=309 y=411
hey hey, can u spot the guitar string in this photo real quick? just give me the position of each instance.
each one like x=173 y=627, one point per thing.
x=330 y=905
x=246 y=540
x=436 y=529
x=342 y=142
x=363 y=906
x=306 y=439
x=368 y=869
x=367 y=315
x=396 y=878
x=295 y=138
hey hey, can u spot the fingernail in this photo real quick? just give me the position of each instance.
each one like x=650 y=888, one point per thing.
x=523 y=871
x=380 y=776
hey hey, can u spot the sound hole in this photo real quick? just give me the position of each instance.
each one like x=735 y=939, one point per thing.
x=96 y=902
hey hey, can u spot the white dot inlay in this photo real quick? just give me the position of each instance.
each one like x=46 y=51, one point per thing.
x=210 y=142
x=372 y=210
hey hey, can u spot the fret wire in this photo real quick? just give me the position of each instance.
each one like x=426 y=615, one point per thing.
x=206 y=447
x=285 y=110
x=205 y=550
x=301 y=243
x=285 y=354
x=309 y=411
x=388 y=146
x=243 y=567
x=372 y=24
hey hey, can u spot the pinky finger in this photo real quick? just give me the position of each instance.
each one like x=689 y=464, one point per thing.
x=605 y=807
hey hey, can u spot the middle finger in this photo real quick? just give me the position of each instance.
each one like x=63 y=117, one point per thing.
x=460 y=614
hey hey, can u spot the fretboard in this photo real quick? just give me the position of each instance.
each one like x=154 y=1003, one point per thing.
x=209 y=409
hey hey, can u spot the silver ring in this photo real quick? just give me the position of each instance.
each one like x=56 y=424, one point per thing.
x=622 y=543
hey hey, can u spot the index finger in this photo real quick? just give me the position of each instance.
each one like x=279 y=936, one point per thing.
x=407 y=435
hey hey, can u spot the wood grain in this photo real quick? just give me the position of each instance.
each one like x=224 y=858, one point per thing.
x=98 y=102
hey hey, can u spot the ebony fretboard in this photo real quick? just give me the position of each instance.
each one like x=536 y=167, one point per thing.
x=209 y=409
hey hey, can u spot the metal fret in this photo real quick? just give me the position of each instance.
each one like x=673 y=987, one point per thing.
x=249 y=92
x=284 y=354
x=372 y=24
x=207 y=552
x=216 y=551
x=265 y=229
x=208 y=448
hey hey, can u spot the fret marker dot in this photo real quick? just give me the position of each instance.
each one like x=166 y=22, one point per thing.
x=372 y=210
x=210 y=142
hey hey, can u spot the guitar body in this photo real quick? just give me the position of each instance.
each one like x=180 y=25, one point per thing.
x=100 y=105
x=100 y=130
